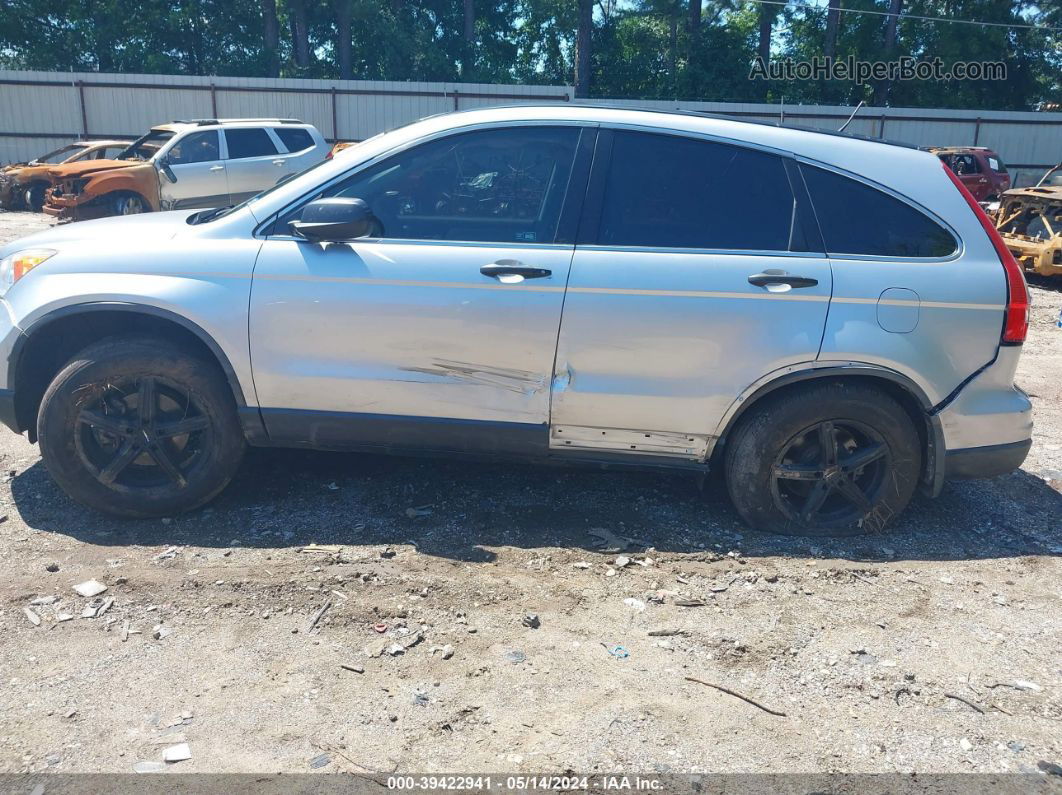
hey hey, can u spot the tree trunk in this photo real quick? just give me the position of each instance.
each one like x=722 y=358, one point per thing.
x=271 y=37
x=881 y=90
x=468 y=56
x=672 y=55
x=833 y=18
x=582 y=48
x=343 y=11
x=694 y=23
x=300 y=33
x=768 y=13
x=470 y=20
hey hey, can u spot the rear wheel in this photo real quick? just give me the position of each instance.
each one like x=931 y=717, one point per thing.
x=832 y=459
x=139 y=427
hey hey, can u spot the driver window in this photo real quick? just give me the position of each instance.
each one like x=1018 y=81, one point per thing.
x=197 y=147
x=505 y=185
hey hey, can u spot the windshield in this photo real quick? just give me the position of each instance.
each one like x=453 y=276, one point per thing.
x=145 y=147
x=58 y=156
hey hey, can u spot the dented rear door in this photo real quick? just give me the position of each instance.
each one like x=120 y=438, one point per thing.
x=694 y=277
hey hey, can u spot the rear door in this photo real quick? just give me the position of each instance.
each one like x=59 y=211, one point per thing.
x=254 y=162
x=695 y=275
x=299 y=149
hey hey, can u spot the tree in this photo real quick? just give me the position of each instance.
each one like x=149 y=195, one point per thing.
x=833 y=18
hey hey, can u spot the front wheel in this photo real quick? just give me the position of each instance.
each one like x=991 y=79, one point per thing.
x=139 y=427
x=128 y=204
x=831 y=459
x=33 y=197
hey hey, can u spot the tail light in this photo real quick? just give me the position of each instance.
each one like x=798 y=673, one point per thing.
x=1016 y=319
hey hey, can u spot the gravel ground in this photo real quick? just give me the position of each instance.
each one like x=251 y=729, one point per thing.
x=933 y=648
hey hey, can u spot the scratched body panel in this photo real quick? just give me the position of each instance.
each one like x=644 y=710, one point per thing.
x=405 y=329
x=662 y=341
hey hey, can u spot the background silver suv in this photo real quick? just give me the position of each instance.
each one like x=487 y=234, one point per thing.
x=832 y=321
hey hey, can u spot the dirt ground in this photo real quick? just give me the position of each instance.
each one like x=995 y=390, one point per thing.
x=932 y=648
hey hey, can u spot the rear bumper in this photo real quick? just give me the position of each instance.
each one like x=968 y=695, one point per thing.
x=986 y=462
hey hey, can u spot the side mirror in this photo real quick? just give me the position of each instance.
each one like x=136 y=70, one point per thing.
x=334 y=220
x=164 y=167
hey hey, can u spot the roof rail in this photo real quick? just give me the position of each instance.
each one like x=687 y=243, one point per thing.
x=206 y=122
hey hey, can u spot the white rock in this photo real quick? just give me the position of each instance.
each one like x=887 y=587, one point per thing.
x=90 y=588
x=177 y=753
x=965 y=744
x=634 y=604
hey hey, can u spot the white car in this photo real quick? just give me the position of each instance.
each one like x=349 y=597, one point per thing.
x=187 y=164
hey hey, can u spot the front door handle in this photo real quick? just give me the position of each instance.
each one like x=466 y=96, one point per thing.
x=279 y=162
x=771 y=277
x=512 y=267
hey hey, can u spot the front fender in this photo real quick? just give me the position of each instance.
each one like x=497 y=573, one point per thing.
x=187 y=284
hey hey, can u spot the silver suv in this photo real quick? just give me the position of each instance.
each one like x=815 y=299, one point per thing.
x=185 y=165
x=831 y=321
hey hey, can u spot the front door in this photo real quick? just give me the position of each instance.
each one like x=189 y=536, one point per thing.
x=195 y=162
x=440 y=331
x=696 y=278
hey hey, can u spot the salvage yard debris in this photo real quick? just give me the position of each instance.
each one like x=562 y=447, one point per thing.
x=90 y=588
x=735 y=694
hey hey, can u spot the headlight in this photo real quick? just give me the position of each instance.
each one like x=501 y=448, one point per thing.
x=17 y=265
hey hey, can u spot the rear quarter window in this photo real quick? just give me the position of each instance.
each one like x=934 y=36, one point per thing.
x=857 y=219
x=295 y=139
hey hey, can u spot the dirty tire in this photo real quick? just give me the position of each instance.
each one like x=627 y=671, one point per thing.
x=128 y=204
x=140 y=427
x=830 y=459
x=33 y=196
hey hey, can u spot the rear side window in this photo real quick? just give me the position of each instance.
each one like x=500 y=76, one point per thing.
x=249 y=142
x=673 y=192
x=294 y=138
x=858 y=219
x=996 y=164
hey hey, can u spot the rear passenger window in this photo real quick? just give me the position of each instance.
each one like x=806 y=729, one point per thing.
x=858 y=219
x=294 y=138
x=673 y=192
x=249 y=142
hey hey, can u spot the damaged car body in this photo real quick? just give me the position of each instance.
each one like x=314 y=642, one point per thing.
x=559 y=283
x=24 y=185
x=1030 y=221
x=186 y=164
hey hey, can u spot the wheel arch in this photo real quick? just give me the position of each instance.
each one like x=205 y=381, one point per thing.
x=904 y=390
x=54 y=338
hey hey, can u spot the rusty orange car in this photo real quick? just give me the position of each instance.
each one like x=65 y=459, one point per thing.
x=194 y=164
x=23 y=185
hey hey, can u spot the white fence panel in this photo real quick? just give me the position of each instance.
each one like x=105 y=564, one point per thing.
x=42 y=110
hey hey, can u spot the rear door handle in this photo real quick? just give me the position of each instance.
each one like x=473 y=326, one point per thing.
x=511 y=267
x=769 y=277
x=279 y=162
x=217 y=168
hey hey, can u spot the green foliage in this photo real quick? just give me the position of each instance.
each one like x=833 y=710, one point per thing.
x=643 y=49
